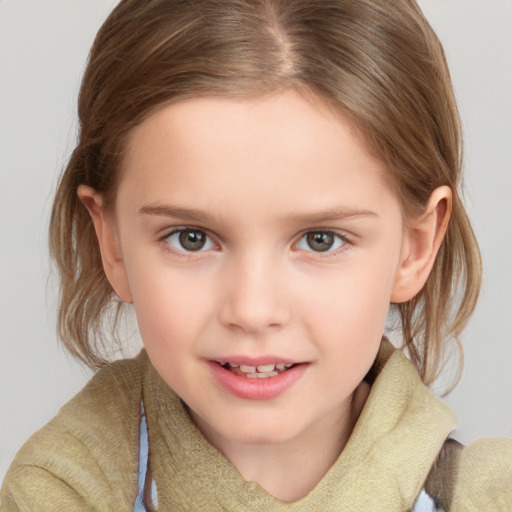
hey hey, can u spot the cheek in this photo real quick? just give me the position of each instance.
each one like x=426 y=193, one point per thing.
x=356 y=297
x=169 y=306
x=347 y=315
x=349 y=324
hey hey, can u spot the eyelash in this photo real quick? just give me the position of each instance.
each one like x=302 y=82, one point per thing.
x=330 y=253
x=181 y=253
x=345 y=242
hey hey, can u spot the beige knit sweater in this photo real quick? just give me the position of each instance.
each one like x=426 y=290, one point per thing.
x=86 y=458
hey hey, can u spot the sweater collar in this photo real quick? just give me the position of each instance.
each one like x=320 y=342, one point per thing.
x=382 y=467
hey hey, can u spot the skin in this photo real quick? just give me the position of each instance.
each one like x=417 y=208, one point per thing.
x=263 y=173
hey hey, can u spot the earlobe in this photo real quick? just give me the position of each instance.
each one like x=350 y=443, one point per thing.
x=113 y=263
x=423 y=237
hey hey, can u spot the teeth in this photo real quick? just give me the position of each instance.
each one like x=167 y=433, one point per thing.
x=263 y=375
x=247 y=369
x=266 y=375
x=266 y=368
x=261 y=371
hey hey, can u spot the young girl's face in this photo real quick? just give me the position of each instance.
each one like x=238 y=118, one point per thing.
x=259 y=233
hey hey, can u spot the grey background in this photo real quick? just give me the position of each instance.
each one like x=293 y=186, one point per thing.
x=43 y=48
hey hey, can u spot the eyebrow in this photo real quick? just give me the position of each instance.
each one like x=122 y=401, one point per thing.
x=186 y=214
x=331 y=214
x=195 y=215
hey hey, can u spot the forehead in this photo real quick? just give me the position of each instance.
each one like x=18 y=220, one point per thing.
x=281 y=147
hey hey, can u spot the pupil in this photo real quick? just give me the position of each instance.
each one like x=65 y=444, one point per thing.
x=320 y=242
x=192 y=240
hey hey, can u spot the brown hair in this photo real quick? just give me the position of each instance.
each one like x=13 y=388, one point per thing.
x=377 y=61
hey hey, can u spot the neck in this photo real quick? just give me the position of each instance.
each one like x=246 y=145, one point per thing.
x=290 y=470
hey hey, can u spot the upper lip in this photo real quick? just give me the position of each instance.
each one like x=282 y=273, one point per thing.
x=255 y=361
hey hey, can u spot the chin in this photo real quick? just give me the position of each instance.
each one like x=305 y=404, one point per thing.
x=254 y=432
x=262 y=438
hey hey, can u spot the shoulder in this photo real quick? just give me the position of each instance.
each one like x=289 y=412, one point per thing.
x=86 y=456
x=484 y=476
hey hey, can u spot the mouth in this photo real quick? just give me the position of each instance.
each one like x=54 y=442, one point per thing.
x=252 y=379
x=263 y=371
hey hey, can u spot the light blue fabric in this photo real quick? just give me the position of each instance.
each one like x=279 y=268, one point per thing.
x=425 y=503
x=139 y=505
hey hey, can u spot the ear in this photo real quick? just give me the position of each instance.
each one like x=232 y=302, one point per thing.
x=422 y=239
x=105 y=228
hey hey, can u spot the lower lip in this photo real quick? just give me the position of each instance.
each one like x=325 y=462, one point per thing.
x=257 y=389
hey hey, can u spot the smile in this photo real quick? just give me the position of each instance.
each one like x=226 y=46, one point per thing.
x=264 y=371
x=257 y=381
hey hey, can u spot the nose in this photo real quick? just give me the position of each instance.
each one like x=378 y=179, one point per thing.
x=254 y=295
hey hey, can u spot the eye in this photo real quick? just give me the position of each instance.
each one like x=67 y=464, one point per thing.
x=321 y=241
x=189 y=240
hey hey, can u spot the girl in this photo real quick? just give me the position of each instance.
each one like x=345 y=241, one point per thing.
x=259 y=181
